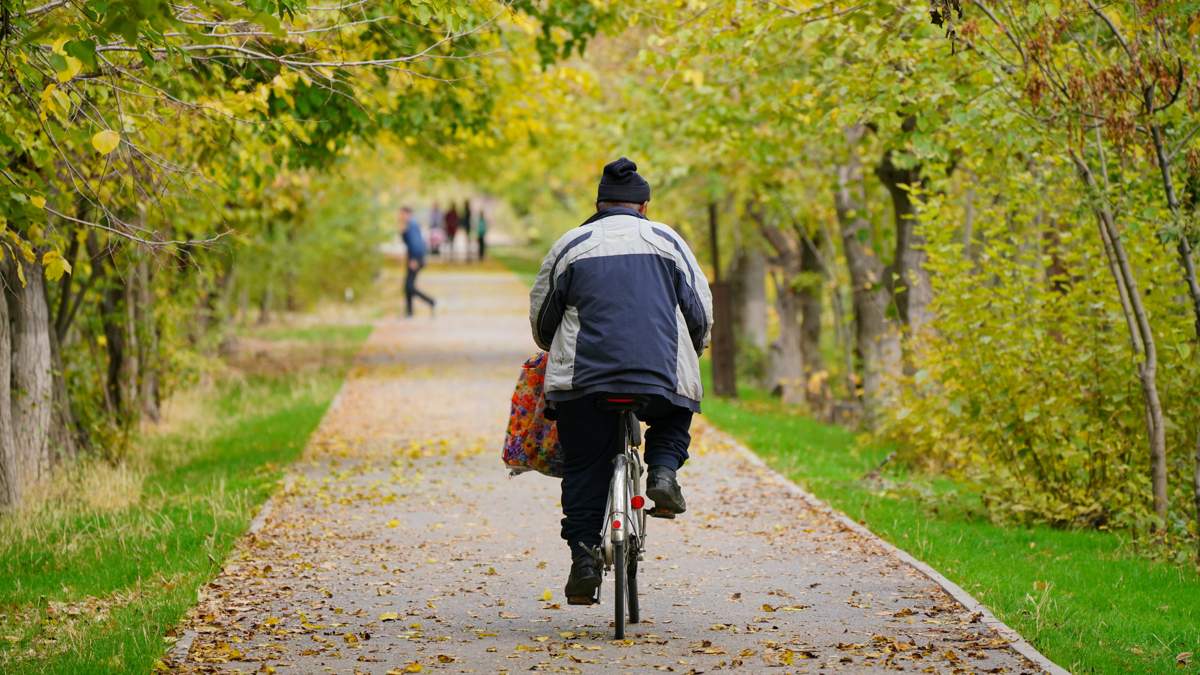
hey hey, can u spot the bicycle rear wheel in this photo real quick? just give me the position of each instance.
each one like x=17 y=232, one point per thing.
x=620 y=561
x=631 y=584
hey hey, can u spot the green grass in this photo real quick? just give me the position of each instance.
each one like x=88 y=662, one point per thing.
x=1081 y=597
x=86 y=588
x=523 y=261
x=319 y=334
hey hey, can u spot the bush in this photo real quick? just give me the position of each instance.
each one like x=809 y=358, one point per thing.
x=1026 y=384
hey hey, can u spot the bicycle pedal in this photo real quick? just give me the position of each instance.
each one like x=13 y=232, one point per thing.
x=582 y=600
x=658 y=512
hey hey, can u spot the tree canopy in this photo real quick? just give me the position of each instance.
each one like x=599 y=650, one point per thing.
x=978 y=218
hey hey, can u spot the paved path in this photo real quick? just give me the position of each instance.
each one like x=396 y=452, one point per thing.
x=400 y=545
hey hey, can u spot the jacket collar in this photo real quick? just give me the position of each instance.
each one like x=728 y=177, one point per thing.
x=618 y=211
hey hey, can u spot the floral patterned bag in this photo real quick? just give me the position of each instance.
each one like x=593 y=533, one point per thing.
x=532 y=440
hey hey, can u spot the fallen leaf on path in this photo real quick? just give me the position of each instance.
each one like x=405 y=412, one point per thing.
x=706 y=647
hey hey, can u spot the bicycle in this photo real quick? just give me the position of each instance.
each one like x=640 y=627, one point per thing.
x=623 y=538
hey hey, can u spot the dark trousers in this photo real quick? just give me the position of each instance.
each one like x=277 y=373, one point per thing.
x=589 y=441
x=410 y=289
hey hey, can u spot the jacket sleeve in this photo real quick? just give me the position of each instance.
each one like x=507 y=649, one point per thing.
x=695 y=297
x=548 y=298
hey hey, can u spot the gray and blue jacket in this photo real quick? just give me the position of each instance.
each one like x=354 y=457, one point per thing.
x=623 y=307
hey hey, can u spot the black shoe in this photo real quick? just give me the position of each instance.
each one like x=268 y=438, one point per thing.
x=585 y=578
x=666 y=493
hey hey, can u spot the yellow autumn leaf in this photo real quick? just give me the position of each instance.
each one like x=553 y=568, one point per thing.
x=106 y=141
x=38 y=201
x=413 y=667
x=547 y=595
x=70 y=70
x=55 y=101
x=393 y=523
x=389 y=616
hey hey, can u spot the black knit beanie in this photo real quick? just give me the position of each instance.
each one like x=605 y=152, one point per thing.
x=621 y=183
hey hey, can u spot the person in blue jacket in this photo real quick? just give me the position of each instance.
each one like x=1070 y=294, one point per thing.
x=415 y=244
x=623 y=307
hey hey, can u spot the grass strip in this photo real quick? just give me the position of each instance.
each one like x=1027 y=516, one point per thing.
x=523 y=261
x=1082 y=597
x=92 y=587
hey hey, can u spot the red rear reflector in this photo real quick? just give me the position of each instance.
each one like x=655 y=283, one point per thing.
x=638 y=501
x=616 y=524
x=619 y=400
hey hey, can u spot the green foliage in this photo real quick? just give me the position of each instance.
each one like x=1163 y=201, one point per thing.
x=566 y=27
x=1024 y=387
x=1085 y=599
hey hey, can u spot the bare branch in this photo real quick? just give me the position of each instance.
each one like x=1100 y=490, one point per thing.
x=42 y=9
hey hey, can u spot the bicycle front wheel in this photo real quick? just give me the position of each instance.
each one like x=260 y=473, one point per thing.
x=620 y=562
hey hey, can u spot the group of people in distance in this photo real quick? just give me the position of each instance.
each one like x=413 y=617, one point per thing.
x=444 y=227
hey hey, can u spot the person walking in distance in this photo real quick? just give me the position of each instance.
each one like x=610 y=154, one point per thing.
x=466 y=226
x=437 y=235
x=481 y=226
x=623 y=308
x=415 y=244
x=451 y=219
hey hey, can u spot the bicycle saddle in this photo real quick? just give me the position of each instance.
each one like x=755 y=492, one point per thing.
x=621 y=402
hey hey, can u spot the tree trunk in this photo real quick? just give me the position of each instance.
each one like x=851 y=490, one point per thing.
x=264 y=304
x=724 y=345
x=914 y=292
x=841 y=324
x=31 y=380
x=785 y=362
x=12 y=478
x=750 y=297
x=114 y=344
x=1141 y=336
x=1058 y=277
x=131 y=365
x=877 y=337
x=64 y=432
x=147 y=321
x=810 y=305
x=63 y=313
x=111 y=293
x=786 y=371
x=1184 y=248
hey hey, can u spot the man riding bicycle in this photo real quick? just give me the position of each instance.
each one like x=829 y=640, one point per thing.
x=623 y=308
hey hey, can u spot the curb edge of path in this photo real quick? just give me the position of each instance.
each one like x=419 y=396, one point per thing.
x=1018 y=643
x=179 y=651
